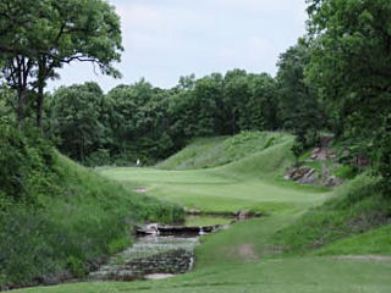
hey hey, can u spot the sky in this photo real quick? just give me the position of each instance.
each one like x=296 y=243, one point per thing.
x=166 y=39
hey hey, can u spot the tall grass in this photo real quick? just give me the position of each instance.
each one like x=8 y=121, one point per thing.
x=75 y=219
x=213 y=152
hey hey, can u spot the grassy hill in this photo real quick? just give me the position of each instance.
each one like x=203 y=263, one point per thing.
x=310 y=239
x=218 y=151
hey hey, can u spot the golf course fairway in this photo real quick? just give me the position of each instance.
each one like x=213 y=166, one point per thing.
x=248 y=257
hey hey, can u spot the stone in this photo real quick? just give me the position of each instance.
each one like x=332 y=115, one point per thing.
x=303 y=175
x=332 y=181
x=309 y=177
x=158 y=276
x=243 y=215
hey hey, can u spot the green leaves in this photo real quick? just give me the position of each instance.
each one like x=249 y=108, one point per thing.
x=38 y=38
x=351 y=66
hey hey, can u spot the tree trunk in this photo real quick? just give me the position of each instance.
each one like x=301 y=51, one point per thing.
x=21 y=107
x=39 y=106
x=40 y=94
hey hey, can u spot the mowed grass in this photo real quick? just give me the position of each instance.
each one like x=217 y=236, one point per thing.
x=245 y=257
x=296 y=275
x=212 y=191
x=248 y=182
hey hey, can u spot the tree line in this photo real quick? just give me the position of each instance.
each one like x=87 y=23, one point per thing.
x=140 y=121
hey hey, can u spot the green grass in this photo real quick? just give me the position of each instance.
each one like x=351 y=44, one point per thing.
x=253 y=182
x=355 y=208
x=312 y=275
x=272 y=253
x=207 y=220
x=215 y=191
x=373 y=242
x=212 y=152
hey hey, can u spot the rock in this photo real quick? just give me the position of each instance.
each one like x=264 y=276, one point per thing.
x=303 y=175
x=332 y=181
x=158 y=276
x=309 y=177
x=315 y=153
x=243 y=215
x=150 y=229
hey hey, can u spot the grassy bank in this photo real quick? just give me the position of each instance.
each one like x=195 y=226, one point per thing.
x=59 y=219
x=217 y=151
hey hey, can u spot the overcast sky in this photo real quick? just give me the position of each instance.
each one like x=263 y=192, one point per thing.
x=164 y=39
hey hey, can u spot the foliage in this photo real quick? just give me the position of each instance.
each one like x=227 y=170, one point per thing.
x=23 y=168
x=350 y=65
x=299 y=108
x=142 y=122
x=38 y=38
x=77 y=119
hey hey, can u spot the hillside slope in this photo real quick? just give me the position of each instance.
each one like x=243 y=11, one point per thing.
x=59 y=219
x=213 y=152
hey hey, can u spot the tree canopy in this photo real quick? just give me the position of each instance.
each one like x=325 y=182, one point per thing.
x=42 y=36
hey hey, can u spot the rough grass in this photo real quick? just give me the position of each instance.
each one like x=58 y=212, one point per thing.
x=373 y=242
x=213 y=152
x=83 y=218
x=355 y=208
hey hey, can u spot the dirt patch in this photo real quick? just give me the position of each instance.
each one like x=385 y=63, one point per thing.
x=247 y=252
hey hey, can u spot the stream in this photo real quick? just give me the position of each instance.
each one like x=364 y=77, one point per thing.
x=160 y=251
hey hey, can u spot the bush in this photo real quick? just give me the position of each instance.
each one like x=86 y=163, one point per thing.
x=346 y=172
x=100 y=157
x=25 y=162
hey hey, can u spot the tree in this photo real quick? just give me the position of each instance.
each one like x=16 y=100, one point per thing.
x=42 y=36
x=351 y=58
x=299 y=108
x=351 y=65
x=236 y=93
x=76 y=120
x=261 y=108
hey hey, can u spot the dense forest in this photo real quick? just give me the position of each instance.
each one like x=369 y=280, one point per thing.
x=336 y=79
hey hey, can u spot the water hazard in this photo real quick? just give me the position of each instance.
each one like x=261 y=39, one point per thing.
x=159 y=251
